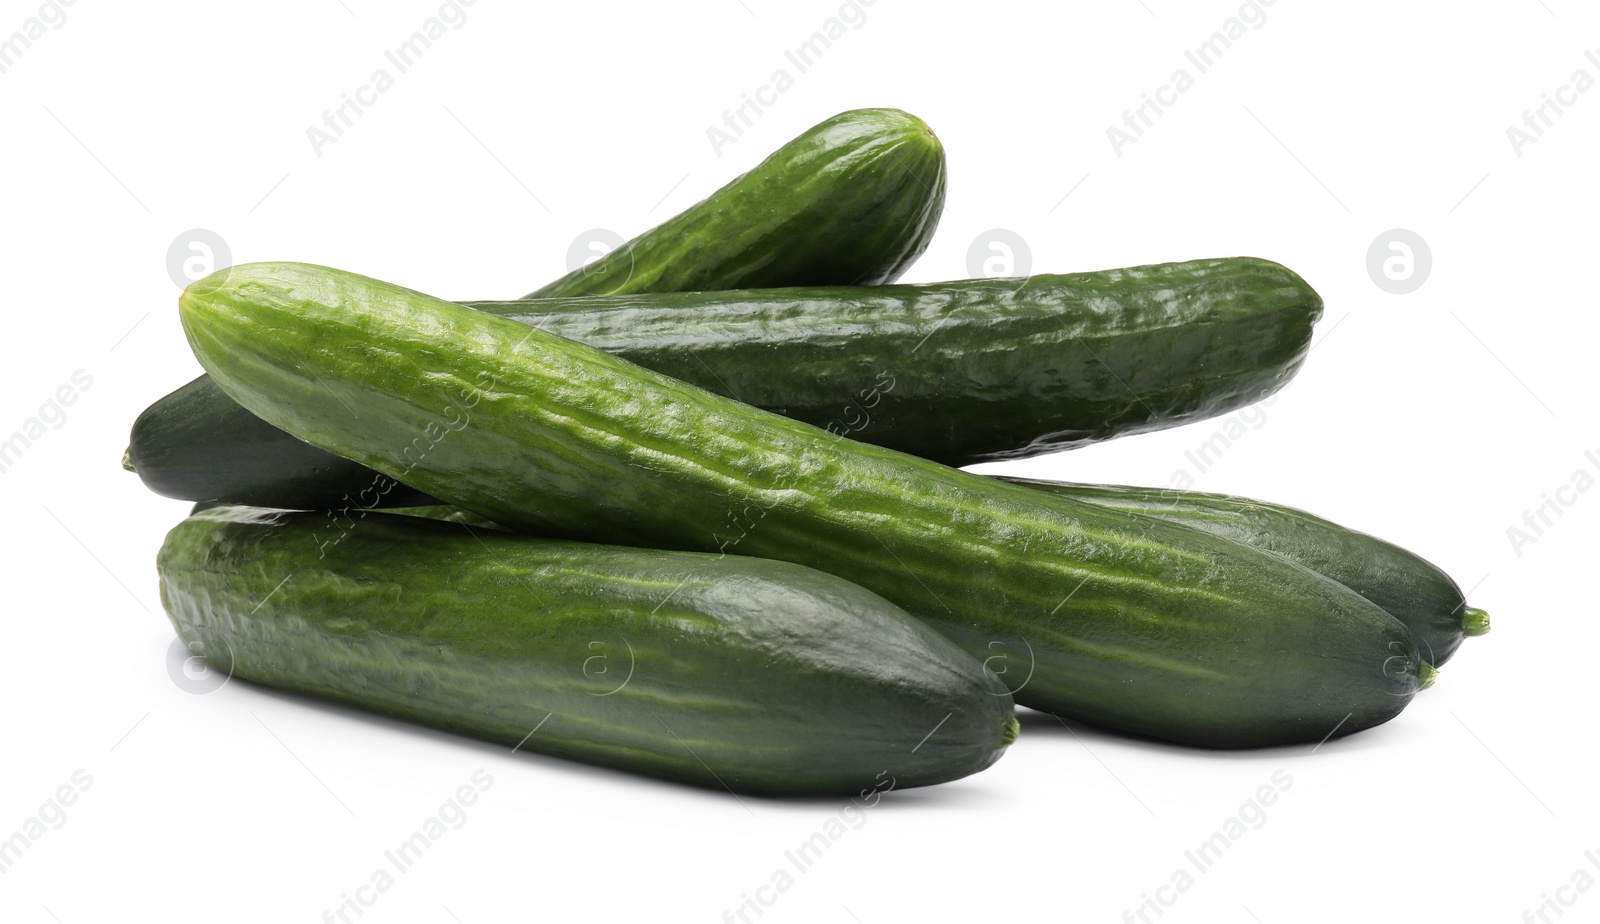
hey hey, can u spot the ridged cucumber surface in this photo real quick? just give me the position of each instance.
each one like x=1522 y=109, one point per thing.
x=852 y=201
x=758 y=676
x=956 y=372
x=1126 y=621
x=975 y=370
x=1405 y=585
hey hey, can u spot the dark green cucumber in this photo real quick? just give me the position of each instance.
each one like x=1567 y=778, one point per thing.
x=759 y=676
x=198 y=444
x=976 y=370
x=1406 y=586
x=1126 y=621
x=852 y=201
x=956 y=372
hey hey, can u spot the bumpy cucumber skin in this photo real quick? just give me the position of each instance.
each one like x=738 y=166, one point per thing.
x=756 y=675
x=957 y=372
x=976 y=370
x=1406 y=586
x=852 y=201
x=1125 y=621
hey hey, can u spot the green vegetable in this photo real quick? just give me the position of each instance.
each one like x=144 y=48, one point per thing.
x=198 y=444
x=957 y=372
x=852 y=201
x=756 y=675
x=1405 y=585
x=976 y=370
x=448 y=514
x=1126 y=621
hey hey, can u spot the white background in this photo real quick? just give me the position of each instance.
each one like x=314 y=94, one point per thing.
x=1435 y=419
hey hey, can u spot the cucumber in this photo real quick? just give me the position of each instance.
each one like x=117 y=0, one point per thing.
x=1406 y=586
x=957 y=372
x=448 y=514
x=759 y=676
x=852 y=201
x=1125 y=621
x=198 y=444
x=977 y=370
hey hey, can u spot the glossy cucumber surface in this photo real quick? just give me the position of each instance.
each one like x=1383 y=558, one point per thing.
x=198 y=444
x=758 y=676
x=1405 y=585
x=956 y=372
x=854 y=200
x=1126 y=621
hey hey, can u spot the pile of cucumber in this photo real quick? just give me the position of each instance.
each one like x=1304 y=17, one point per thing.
x=692 y=510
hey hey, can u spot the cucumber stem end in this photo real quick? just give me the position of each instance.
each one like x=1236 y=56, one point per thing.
x=1474 y=622
x=1008 y=733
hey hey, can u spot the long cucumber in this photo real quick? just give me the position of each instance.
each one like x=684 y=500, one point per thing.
x=1126 y=621
x=758 y=676
x=957 y=372
x=1405 y=585
x=854 y=200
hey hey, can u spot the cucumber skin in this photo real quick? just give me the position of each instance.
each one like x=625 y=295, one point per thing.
x=974 y=370
x=1403 y=584
x=762 y=676
x=1130 y=622
x=441 y=512
x=198 y=444
x=853 y=200
x=1411 y=589
x=447 y=514
x=956 y=372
